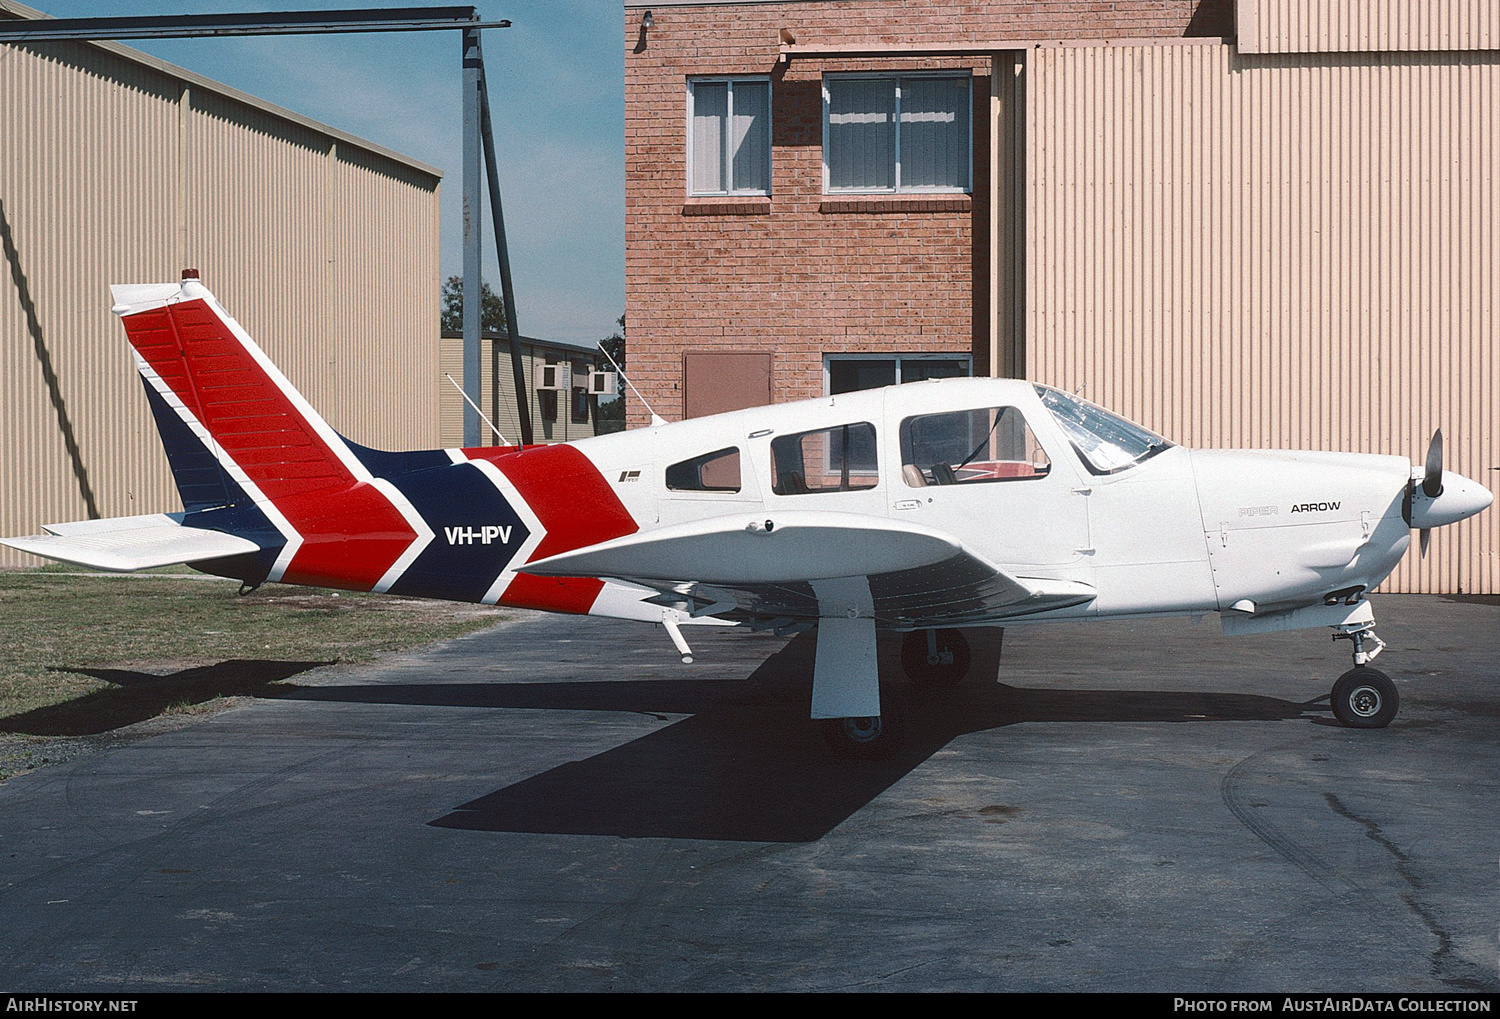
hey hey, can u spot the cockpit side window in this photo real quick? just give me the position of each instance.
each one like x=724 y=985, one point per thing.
x=718 y=471
x=968 y=447
x=839 y=459
x=1107 y=443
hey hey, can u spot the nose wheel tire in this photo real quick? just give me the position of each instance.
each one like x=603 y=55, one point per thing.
x=1365 y=698
x=873 y=738
x=935 y=664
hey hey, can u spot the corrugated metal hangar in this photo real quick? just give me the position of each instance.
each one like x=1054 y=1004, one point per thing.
x=121 y=168
x=1268 y=224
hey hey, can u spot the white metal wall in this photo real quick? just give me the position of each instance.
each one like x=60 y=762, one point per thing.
x=1295 y=252
x=1324 y=26
x=116 y=172
x=500 y=407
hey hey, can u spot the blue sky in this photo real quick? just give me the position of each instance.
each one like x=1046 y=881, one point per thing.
x=556 y=81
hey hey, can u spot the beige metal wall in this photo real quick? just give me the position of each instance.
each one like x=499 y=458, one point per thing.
x=115 y=171
x=498 y=393
x=1324 y=26
x=1296 y=252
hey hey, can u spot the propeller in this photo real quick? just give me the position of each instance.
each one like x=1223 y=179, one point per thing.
x=1432 y=482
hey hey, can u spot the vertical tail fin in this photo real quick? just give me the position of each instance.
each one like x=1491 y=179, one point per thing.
x=239 y=435
x=191 y=353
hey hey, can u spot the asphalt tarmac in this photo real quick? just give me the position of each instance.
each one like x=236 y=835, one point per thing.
x=559 y=804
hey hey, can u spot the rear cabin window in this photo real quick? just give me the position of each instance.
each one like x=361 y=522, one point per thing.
x=837 y=459
x=970 y=447
x=718 y=471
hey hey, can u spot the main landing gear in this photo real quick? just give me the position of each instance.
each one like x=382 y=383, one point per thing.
x=846 y=687
x=935 y=659
x=871 y=738
x=1363 y=697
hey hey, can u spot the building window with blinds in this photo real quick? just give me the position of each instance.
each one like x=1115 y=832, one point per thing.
x=897 y=133
x=729 y=136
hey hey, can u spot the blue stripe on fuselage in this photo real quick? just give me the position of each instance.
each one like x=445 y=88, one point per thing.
x=384 y=464
x=475 y=532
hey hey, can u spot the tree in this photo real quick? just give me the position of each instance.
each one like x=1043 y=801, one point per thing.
x=615 y=345
x=610 y=416
x=491 y=308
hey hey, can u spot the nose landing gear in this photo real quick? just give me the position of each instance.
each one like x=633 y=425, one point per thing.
x=1363 y=697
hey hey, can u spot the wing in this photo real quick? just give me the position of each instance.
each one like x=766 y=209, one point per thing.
x=919 y=577
x=131 y=543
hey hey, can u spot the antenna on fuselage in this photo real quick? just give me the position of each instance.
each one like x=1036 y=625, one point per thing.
x=503 y=440
x=656 y=419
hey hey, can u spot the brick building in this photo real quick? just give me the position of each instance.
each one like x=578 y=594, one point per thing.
x=1255 y=224
x=771 y=271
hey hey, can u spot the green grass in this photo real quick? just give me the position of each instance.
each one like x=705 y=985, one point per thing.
x=84 y=654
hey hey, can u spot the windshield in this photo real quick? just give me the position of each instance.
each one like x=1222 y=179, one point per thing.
x=1106 y=442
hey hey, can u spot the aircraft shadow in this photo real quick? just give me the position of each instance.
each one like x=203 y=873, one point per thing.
x=137 y=696
x=748 y=765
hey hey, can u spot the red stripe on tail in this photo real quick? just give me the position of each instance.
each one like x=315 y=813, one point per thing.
x=351 y=533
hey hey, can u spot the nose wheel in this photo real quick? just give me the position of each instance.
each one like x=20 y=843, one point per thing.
x=1365 y=698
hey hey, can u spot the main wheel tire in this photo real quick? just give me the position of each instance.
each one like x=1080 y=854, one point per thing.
x=1365 y=698
x=935 y=675
x=872 y=739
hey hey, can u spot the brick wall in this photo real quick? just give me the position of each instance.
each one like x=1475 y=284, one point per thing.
x=799 y=273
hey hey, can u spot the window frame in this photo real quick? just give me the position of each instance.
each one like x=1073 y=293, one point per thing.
x=727 y=168
x=698 y=463
x=846 y=473
x=580 y=402
x=899 y=358
x=966 y=188
x=906 y=442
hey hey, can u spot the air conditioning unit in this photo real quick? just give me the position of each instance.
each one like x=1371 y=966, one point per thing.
x=555 y=377
x=603 y=384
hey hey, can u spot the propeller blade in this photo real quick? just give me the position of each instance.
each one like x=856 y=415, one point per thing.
x=1424 y=538
x=1432 y=483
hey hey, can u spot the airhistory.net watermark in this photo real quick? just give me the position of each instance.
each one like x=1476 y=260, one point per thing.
x=45 y=1004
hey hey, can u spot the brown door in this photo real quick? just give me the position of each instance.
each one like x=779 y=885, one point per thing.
x=718 y=381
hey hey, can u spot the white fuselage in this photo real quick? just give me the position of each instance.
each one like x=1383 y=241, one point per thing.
x=1181 y=532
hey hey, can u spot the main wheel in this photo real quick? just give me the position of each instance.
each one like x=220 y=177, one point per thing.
x=1365 y=698
x=945 y=669
x=872 y=738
